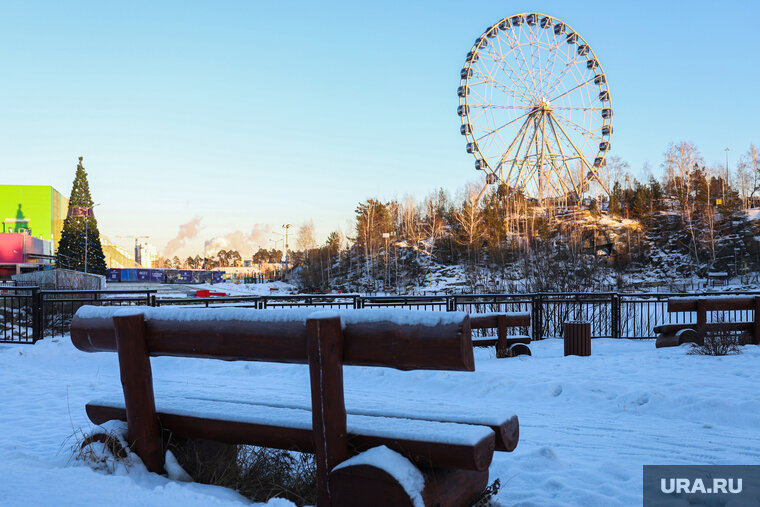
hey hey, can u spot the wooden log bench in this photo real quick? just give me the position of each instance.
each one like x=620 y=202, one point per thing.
x=452 y=448
x=506 y=346
x=673 y=335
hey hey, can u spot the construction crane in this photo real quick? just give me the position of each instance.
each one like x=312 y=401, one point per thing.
x=138 y=257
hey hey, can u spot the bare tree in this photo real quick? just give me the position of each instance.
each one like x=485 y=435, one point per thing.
x=681 y=159
x=470 y=221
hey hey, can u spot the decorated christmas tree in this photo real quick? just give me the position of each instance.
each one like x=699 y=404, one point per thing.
x=79 y=248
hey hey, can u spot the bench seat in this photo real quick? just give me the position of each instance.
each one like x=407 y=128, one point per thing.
x=457 y=445
x=710 y=326
x=502 y=421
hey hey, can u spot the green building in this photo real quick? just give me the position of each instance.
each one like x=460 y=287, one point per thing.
x=37 y=209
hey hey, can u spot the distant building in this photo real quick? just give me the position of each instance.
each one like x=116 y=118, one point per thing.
x=36 y=210
x=146 y=255
x=32 y=219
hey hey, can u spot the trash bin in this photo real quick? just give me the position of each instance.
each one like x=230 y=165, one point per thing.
x=577 y=338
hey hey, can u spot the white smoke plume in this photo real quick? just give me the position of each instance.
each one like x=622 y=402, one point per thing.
x=186 y=231
x=244 y=244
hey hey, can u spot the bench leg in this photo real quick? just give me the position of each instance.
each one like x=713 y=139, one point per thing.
x=143 y=434
x=369 y=486
x=501 y=336
x=328 y=408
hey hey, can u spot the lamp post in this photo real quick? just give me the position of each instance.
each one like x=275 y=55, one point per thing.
x=286 y=227
x=387 y=236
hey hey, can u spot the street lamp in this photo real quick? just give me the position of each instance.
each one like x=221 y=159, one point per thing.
x=387 y=236
x=286 y=227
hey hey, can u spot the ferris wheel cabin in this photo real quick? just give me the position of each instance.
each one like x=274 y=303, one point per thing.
x=572 y=38
x=472 y=57
x=472 y=147
x=463 y=110
x=607 y=130
x=518 y=20
x=504 y=25
x=481 y=165
x=600 y=79
x=465 y=129
x=606 y=113
x=465 y=73
x=532 y=19
x=463 y=91
x=559 y=29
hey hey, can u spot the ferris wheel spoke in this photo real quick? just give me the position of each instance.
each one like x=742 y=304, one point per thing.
x=569 y=65
x=503 y=126
x=489 y=78
x=517 y=154
x=572 y=89
x=583 y=131
x=511 y=91
x=498 y=61
x=582 y=157
x=498 y=106
x=553 y=50
x=509 y=148
x=572 y=108
x=498 y=58
x=562 y=152
x=527 y=157
x=526 y=70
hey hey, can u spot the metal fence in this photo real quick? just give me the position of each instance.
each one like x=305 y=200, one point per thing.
x=28 y=313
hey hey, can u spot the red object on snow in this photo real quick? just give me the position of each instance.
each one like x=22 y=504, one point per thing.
x=217 y=293
x=202 y=293
x=273 y=288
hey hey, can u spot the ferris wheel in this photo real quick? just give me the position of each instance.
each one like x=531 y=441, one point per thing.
x=535 y=107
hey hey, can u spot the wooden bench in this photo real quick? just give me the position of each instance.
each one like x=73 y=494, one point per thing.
x=673 y=335
x=451 y=447
x=506 y=346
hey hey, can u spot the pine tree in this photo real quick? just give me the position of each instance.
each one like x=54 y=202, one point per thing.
x=80 y=231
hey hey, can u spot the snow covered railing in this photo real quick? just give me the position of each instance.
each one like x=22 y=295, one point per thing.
x=672 y=335
x=452 y=449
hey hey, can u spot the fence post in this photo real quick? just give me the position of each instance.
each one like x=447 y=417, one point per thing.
x=537 y=305
x=36 y=314
x=615 y=318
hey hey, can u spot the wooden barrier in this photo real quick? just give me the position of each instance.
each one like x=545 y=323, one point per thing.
x=453 y=455
x=672 y=335
x=506 y=346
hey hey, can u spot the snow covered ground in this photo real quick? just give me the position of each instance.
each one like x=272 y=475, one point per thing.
x=587 y=424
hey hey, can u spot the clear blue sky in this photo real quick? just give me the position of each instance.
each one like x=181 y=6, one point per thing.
x=246 y=113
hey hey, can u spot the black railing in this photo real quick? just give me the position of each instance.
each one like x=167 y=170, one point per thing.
x=19 y=314
x=28 y=313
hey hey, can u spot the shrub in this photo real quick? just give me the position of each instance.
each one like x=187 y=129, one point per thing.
x=721 y=342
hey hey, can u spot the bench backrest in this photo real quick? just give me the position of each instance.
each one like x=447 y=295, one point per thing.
x=712 y=303
x=402 y=339
x=491 y=320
